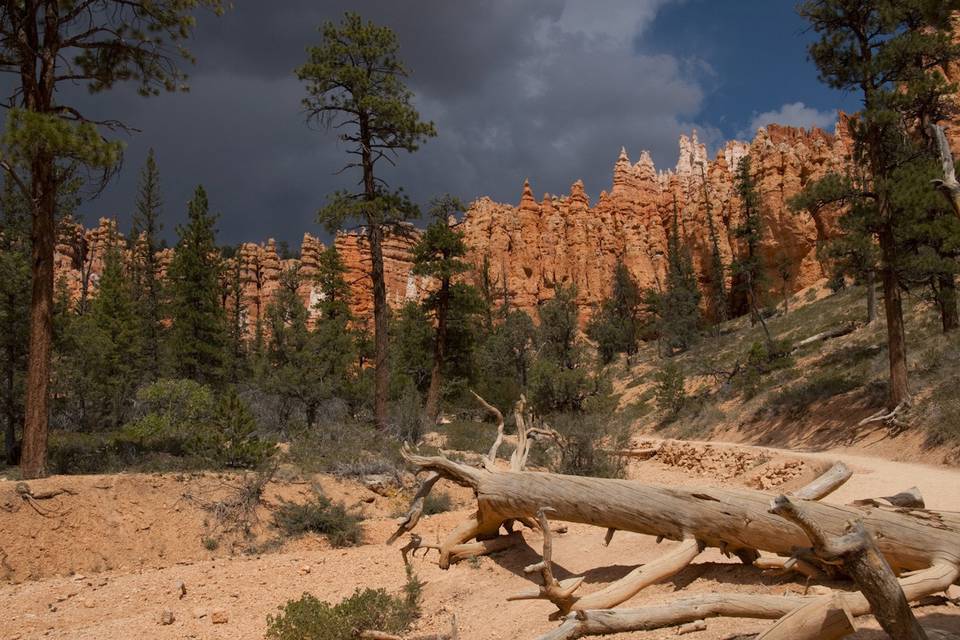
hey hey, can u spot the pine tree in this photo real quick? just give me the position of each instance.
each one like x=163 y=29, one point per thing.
x=355 y=82
x=929 y=234
x=439 y=254
x=748 y=268
x=197 y=337
x=615 y=326
x=45 y=46
x=334 y=302
x=717 y=274
x=678 y=306
x=144 y=245
x=114 y=367
x=891 y=54
x=14 y=308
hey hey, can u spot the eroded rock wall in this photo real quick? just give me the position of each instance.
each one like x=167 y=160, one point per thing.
x=538 y=244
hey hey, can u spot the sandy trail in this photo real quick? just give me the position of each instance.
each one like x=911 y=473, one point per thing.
x=128 y=604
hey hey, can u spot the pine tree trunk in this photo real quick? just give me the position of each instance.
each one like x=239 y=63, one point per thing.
x=871 y=296
x=10 y=407
x=893 y=308
x=33 y=463
x=439 y=350
x=947 y=301
x=381 y=321
x=381 y=313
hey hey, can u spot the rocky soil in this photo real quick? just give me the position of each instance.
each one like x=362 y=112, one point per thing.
x=124 y=557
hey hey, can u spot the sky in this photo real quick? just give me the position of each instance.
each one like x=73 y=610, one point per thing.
x=542 y=89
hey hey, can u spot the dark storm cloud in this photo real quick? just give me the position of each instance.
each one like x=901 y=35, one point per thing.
x=545 y=89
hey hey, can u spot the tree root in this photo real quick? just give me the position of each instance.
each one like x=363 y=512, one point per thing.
x=29 y=496
x=889 y=417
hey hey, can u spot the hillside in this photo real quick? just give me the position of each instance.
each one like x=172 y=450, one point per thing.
x=816 y=399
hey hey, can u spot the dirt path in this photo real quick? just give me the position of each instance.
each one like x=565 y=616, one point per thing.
x=243 y=590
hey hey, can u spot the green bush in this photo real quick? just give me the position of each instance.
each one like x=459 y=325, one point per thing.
x=345 y=448
x=670 y=389
x=182 y=418
x=368 y=610
x=320 y=515
x=762 y=360
x=585 y=441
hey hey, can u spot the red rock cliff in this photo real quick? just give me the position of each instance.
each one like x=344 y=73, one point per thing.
x=538 y=244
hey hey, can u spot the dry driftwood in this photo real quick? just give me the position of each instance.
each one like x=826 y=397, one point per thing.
x=737 y=521
x=949 y=186
x=836 y=332
x=733 y=520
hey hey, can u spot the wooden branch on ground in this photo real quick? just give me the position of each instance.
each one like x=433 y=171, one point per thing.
x=836 y=332
x=909 y=499
x=925 y=544
x=453 y=634
x=825 y=484
x=858 y=553
x=949 y=186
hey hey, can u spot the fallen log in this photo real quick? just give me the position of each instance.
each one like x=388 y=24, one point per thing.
x=836 y=332
x=723 y=518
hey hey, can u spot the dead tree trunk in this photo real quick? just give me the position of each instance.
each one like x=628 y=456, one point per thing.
x=949 y=186
x=735 y=521
x=862 y=560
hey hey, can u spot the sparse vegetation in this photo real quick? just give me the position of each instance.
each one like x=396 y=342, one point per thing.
x=670 y=389
x=320 y=515
x=437 y=502
x=366 y=610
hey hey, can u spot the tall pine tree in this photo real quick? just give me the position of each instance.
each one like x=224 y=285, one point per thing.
x=196 y=342
x=677 y=307
x=14 y=308
x=439 y=254
x=144 y=245
x=355 y=83
x=891 y=53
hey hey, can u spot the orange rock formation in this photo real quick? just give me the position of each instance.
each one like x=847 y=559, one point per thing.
x=536 y=245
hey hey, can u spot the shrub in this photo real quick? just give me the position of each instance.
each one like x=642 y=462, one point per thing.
x=437 y=503
x=320 y=515
x=468 y=435
x=585 y=443
x=345 y=448
x=368 y=610
x=182 y=418
x=670 y=389
x=762 y=360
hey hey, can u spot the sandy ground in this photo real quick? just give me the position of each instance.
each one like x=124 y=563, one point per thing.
x=132 y=540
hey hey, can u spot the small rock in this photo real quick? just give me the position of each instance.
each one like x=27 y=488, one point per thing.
x=370 y=499
x=200 y=613
x=89 y=604
x=182 y=589
x=219 y=617
x=305 y=569
x=166 y=617
x=381 y=484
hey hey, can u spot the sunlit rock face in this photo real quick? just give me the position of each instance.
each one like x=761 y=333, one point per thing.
x=534 y=246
